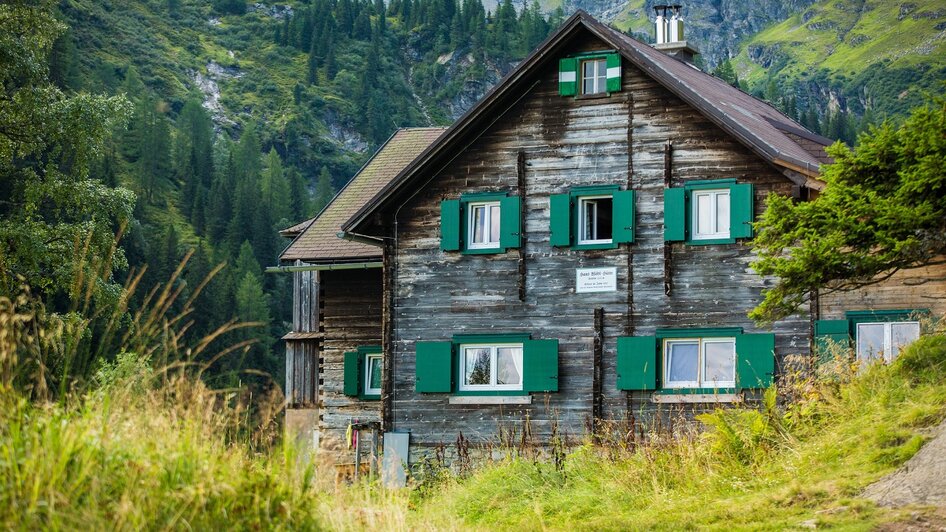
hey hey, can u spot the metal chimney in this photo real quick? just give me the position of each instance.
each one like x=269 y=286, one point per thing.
x=669 y=33
x=661 y=24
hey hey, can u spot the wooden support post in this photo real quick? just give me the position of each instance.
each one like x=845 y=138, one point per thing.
x=629 y=317
x=597 y=380
x=357 y=454
x=521 y=177
x=375 y=455
x=814 y=314
x=668 y=247
x=387 y=337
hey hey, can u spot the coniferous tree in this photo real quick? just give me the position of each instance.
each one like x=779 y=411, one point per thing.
x=300 y=203
x=324 y=191
x=154 y=160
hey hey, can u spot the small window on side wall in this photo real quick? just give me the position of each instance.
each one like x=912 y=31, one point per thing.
x=373 y=374
x=491 y=367
x=483 y=225
x=884 y=340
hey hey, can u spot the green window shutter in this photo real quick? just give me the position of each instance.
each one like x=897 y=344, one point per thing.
x=741 y=210
x=614 y=72
x=434 y=367
x=637 y=363
x=352 y=373
x=755 y=360
x=540 y=365
x=510 y=226
x=622 y=221
x=450 y=225
x=675 y=214
x=568 y=76
x=560 y=216
x=829 y=336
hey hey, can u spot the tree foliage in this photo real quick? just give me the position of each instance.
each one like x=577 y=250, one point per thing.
x=54 y=215
x=884 y=209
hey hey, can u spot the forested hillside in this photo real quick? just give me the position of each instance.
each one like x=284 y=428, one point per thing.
x=246 y=118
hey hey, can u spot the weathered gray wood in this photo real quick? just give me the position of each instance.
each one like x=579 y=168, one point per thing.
x=569 y=142
x=351 y=316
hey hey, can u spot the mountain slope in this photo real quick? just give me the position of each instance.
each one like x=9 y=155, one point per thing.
x=880 y=55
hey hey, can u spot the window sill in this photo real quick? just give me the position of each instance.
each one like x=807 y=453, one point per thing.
x=484 y=251
x=490 y=400
x=711 y=241
x=594 y=96
x=603 y=245
x=669 y=397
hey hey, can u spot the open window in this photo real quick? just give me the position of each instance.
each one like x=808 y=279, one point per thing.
x=592 y=217
x=595 y=219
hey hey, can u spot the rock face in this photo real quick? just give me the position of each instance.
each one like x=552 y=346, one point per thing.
x=922 y=480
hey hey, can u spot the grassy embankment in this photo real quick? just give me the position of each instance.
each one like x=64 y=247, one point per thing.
x=143 y=448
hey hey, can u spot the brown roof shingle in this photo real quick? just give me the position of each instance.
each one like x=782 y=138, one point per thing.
x=318 y=241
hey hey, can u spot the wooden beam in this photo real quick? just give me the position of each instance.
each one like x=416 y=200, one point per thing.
x=521 y=263
x=597 y=378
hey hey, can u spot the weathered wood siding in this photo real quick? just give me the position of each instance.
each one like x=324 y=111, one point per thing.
x=351 y=317
x=570 y=142
x=916 y=288
x=302 y=354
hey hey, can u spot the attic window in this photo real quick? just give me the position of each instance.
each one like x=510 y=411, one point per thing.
x=594 y=75
x=590 y=73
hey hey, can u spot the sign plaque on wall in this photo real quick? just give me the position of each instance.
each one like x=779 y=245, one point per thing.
x=596 y=280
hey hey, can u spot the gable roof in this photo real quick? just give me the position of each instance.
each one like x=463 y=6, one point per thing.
x=317 y=239
x=752 y=122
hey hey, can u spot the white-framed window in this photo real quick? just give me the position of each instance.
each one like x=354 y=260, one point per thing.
x=884 y=340
x=373 y=374
x=595 y=214
x=710 y=214
x=490 y=367
x=594 y=76
x=483 y=225
x=699 y=363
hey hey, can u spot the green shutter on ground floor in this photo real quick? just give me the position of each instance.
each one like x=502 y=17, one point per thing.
x=540 y=366
x=755 y=360
x=510 y=226
x=622 y=220
x=434 y=367
x=675 y=214
x=830 y=337
x=352 y=373
x=450 y=238
x=637 y=362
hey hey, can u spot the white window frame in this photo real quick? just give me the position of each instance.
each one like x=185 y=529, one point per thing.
x=582 y=220
x=599 y=84
x=888 y=354
x=470 y=228
x=695 y=214
x=493 y=369
x=368 y=390
x=700 y=381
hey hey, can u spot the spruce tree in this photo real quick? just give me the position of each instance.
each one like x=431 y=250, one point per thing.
x=324 y=191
